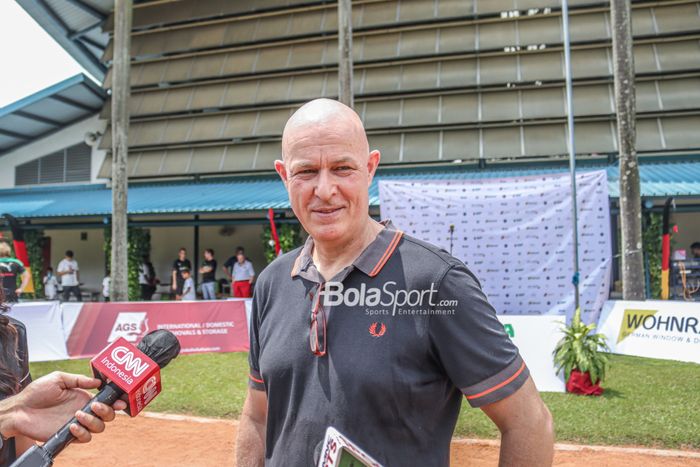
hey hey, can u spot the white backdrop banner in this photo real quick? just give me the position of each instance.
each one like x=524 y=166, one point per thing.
x=516 y=234
x=536 y=337
x=654 y=328
x=44 y=330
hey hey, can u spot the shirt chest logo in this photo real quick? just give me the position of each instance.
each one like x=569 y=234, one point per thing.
x=377 y=329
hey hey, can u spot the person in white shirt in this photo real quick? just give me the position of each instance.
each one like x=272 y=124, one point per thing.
x=188 y=292
x=240 y=272
x=50 y=284
x=105 y=287
x=68 y=271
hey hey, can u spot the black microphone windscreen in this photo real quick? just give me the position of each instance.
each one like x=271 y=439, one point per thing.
x=161 y=346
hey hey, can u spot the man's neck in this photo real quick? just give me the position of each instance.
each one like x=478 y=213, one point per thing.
x=330 y=259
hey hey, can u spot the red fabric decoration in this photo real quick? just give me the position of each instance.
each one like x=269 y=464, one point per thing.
x=273 y=231
x=580 y=383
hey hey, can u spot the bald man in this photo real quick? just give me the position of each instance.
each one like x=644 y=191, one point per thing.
x=371 y=331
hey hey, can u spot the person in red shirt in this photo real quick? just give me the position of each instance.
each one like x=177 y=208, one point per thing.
x=240 y=272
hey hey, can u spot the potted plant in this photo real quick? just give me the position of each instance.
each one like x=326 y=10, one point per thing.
x=582 y=356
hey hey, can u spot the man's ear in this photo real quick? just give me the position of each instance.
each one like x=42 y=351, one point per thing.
x=281 y=170
x=373 y=163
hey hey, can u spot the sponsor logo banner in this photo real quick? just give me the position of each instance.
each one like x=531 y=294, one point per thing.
x=655 y=329
x=200 y=327
x=516 y=235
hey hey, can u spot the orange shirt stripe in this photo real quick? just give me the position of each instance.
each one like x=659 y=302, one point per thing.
x=387 y=254
x=256 y=379
x=498 y=386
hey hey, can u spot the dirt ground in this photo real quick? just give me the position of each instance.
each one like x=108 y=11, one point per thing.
x=147 y=441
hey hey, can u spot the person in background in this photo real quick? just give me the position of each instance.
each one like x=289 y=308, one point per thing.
x=180 y=264
x=106 y=282
x=695 y=250
x=208 y=272
x=188 y=292
x=10 y=269
x=50 y=284
x=241 y=274
x=69 y=273
x=147 y=278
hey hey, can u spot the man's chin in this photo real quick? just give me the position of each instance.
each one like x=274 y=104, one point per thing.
x=330 y=232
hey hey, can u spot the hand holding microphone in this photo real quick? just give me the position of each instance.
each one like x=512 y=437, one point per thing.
x=129 y=373
x=44 y=406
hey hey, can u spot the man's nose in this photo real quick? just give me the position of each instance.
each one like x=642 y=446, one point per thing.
x=326 y=187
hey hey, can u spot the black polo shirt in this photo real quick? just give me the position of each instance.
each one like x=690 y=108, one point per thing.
x=408 y=336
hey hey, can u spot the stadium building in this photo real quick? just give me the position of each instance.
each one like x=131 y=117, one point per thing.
x=446 y=88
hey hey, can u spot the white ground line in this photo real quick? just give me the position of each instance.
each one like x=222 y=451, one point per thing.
x=185 y=418
x=578 y=448
x=468 y=441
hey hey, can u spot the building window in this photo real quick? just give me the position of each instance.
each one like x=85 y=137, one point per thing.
x=67 y=165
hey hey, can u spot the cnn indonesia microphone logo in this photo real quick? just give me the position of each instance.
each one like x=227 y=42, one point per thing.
x=130 y=369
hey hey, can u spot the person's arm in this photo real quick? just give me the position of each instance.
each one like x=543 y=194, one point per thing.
x=46 y=404
x=251 y=271
x=25 y=282
x=174 y=279
x=527 y=431
x=482 y=361
x=250 y=445
x=227 y=265
x=77 y=273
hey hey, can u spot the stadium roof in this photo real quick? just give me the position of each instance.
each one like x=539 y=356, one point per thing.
x=76 y=25
x=251 y=193
x=48 y=110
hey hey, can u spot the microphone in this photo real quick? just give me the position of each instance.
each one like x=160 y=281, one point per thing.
x=131 y=373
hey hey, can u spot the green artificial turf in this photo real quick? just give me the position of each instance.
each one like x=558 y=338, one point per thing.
x=646 y=402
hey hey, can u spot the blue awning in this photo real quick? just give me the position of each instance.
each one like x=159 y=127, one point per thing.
x=260 y=192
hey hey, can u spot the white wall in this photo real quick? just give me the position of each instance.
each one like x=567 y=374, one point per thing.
x=61 y=139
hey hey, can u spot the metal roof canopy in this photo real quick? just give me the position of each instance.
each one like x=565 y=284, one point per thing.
x=48 y=110
x=260 y=192
x=77 y=26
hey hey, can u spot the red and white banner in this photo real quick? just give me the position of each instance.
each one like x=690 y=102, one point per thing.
x=201 y=327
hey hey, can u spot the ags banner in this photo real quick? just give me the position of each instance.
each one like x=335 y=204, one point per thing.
x=655 y=328
x=207 y=326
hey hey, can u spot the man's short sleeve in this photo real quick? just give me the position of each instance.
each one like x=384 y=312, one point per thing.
x=471 y=343
x=255 y=379
x=229 y=263
x=251 y=271
x=176 y=267
x=20 y=267
x=62 y=267
x=75 y=266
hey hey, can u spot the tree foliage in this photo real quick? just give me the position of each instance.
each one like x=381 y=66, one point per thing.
x=138 y=244
x=289 y=235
